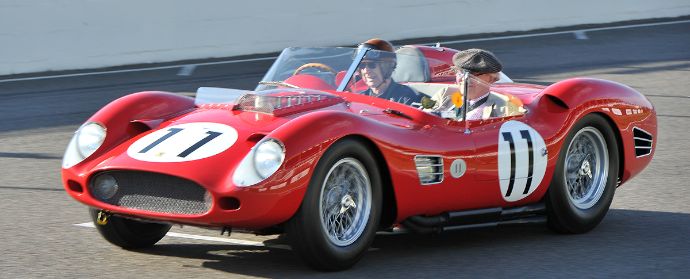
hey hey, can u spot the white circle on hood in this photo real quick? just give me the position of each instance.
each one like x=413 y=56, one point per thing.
x=183 y=142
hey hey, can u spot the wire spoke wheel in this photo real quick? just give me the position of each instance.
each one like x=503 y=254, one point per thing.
x=586 y=169
x=584 y=181
x=345 y=202
x=341 y=208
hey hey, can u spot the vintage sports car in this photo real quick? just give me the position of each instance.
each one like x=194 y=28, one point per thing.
x=305 y=154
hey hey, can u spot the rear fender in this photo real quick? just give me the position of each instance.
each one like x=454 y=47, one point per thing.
x=624 y=107
x=574 y=92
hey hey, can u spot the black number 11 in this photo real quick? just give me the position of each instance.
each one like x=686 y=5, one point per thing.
x=507 y=136
x=172 y=132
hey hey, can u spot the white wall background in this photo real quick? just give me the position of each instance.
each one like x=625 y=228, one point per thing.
x=45 y=35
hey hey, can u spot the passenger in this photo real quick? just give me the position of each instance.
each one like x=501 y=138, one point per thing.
x=484 y=69
x=376 y=69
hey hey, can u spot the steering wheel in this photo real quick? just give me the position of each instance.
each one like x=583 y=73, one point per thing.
x=319 y=66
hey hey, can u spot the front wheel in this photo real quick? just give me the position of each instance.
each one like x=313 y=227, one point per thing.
x=127 y=233
x=585 y=177
x=339 y=215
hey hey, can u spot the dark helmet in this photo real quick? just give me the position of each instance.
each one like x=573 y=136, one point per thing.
x=379 y=44
x=384 y=54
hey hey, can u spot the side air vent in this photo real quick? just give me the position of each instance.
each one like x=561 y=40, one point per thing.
x=643 y=142
x=429 y=169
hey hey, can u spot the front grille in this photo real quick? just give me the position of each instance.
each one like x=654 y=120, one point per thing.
x=643 y=142
x=156 y=192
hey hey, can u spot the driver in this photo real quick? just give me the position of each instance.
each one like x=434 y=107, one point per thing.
x=376 y=69
x=484 y=68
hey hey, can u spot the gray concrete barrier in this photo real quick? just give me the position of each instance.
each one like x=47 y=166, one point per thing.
x=39 y=35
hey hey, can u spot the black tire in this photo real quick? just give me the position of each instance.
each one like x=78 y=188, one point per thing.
x=568 y=208
x=129 y=234
x=307 y=233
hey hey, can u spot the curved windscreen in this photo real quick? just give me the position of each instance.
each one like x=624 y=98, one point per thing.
x=313 y=68
x=408 y=76
x=346 y=69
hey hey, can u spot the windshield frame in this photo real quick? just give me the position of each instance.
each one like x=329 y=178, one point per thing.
x=361 y=52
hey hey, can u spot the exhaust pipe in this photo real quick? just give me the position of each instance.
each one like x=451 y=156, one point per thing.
x=478 y=218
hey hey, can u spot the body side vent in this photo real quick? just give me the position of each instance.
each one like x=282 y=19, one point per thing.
x=643 y=142
x=429 y=169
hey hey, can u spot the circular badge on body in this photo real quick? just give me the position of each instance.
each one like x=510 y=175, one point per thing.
x=458 y=168
x=183 y=142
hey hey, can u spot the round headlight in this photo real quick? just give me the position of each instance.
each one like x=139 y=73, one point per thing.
x=89 y=138
x=104 y=187
x=268 y=157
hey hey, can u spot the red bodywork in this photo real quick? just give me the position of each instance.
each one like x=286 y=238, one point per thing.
x=395 y=140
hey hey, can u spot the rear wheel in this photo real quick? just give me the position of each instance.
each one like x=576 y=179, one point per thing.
x=127 y=233
x=585 y=178
x=341 y=210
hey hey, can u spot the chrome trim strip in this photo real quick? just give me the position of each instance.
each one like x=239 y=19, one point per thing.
x=643 y=139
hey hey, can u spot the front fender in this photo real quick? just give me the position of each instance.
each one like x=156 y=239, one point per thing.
x=307 y=137
x=136 y=113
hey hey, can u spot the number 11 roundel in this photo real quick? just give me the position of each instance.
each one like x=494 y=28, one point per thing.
x=521 y=160
x=183 y=142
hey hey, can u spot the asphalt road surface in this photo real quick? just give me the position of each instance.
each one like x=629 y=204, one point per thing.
x=645 y=234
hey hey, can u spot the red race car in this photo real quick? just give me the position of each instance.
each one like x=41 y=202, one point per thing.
x=305 y=154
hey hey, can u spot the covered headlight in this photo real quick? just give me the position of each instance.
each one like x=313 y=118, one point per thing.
x=262 y=161
x=268 y=157
x=88 y=138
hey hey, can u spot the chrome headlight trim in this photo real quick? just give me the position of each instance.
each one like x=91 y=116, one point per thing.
x=262 y=161
x=268 y=157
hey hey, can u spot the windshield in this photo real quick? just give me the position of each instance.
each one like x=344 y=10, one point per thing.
x=314 y=68
x=421 y=77
x=361 y=70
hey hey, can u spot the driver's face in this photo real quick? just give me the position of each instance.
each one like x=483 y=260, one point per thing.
x=479 y=84
x=372 y=73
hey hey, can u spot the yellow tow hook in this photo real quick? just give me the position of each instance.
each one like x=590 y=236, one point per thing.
x=102 y=218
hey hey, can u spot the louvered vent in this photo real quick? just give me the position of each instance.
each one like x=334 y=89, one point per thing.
x=429 y=169
x=643 y=142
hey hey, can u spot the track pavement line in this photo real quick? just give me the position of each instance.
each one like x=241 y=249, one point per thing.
x=207 y=238
x=565 y=32
x=224 y=240
x=578 y=31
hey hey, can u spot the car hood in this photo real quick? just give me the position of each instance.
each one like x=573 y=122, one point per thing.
x=204 y=145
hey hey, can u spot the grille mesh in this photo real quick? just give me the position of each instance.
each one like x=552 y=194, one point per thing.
x=157 y=192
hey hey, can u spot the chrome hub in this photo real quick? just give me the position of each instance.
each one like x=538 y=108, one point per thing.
x=346 y=203
x=585 y=169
